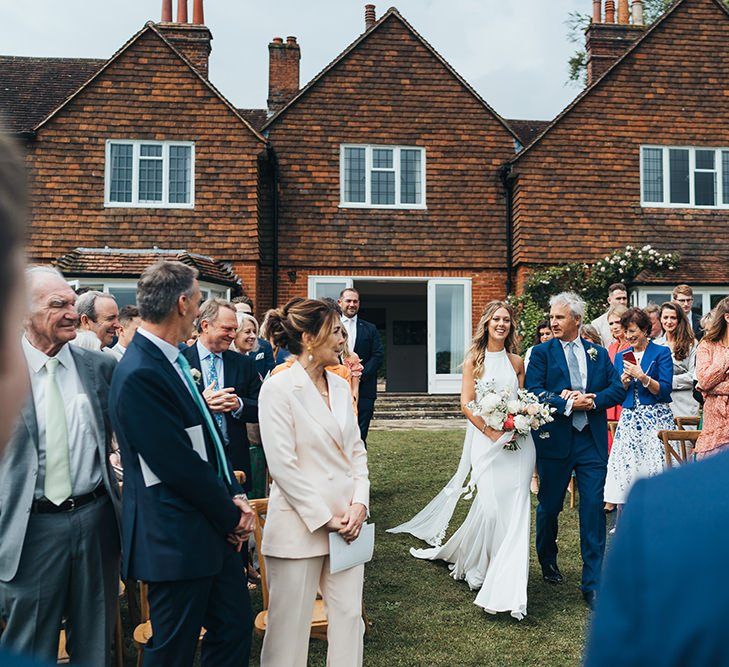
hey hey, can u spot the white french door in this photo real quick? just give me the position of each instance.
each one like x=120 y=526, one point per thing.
x=322 y=287
x=449 y=333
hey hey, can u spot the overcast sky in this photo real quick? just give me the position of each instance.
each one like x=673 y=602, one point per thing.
x=513 y=52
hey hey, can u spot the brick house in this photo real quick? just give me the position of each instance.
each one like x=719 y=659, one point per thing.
x=136 y=157
x=387 y=172
x=641 y=156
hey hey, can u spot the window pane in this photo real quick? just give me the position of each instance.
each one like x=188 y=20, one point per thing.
x=715 y=298
x=329 y=290
x=180 y=176
x=678 y=160
x=125 y=296
x=653 y=175
x=410 y=185
x=383 y=187
x=449 y=328
x=725 y=176
x=382 y=158
x=150 y=150
x=704 y=159
x=705 y=188
x=354 y=175
x=150 y=178
x=120 y=189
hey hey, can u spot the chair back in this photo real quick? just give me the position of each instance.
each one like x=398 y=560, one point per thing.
x=686 y=442
x=612 y=425
x=683 y=422
x=260 y=507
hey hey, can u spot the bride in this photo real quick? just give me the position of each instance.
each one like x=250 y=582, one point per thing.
x=490 y=550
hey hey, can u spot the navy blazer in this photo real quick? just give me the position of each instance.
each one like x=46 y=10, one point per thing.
x=664 y=596
x=239 y=372
x=368 y=347
x=263 y=357
x=548 y=375
x=176 y=529
x=658 y=365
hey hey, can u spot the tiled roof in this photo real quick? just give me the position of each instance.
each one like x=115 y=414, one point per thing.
x=124 y=263
x=696 y=270
x=527 y=130
x=31 y=88
x=256 y=117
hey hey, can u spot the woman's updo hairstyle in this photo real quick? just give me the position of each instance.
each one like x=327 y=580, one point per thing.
x=286 y=326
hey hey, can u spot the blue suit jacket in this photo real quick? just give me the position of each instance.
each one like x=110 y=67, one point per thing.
x=369 y=348
x=664 y=596
x=548 y=375
x=174 y=530
x=657 y=364
x=263 y=357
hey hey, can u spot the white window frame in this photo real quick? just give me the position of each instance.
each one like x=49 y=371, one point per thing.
x=368 y=177
x=666 y=203
x=108 y=283
x=135 y=203
x=702 y=295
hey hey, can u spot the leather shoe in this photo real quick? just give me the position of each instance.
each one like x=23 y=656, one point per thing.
x=551 y=574
x=589 y=597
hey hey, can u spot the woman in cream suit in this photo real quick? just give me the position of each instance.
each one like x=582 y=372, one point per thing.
x=320 y=485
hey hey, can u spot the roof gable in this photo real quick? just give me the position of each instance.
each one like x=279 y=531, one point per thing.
x=640 y=44
x=391 y=15
x=149 y=28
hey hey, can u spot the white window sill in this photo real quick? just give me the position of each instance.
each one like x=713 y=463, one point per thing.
x=391 y=207
x=110 y=204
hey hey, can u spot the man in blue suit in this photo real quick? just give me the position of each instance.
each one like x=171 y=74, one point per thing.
x=664 y=597
x=184 y=516
x=577 y=379
x=364 y=339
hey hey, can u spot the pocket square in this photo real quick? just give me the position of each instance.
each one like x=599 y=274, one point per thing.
x=543 y=436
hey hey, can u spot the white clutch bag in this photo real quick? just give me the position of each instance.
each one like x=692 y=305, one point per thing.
x=343 y=556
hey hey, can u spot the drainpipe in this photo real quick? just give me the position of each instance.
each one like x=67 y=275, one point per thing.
x=507 y=180
x=274 y=198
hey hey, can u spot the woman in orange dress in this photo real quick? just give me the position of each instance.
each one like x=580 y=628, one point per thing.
x=712 y=372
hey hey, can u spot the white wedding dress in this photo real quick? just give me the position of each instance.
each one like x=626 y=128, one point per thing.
x=490 y=550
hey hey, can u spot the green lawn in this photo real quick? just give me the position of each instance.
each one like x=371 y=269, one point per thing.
x=418 y=614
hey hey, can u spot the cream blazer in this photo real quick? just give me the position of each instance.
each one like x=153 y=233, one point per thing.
x=316 y=458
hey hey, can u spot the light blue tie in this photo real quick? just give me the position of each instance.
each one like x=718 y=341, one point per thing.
x=222 y=467
x=213 y=379
x=579 y=417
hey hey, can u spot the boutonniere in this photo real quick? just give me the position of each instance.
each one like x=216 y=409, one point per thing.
x=543 y=435
x=592 y=353
x=196 y=374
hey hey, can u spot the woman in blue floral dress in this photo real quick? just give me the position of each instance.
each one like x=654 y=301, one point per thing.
x=637 y=451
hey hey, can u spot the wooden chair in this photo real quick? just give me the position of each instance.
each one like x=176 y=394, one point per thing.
x=319 y=621
x=683 y=422
x=64 y=658
x=612 y=426
x=685 y=439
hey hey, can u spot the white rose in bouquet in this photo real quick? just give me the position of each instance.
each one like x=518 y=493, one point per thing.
x=522 y=423
x=513 y=406
x=489 y=402
x=495 y=421
x=533 y=409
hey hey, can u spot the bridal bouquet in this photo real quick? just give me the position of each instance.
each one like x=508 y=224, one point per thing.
x=503 y=412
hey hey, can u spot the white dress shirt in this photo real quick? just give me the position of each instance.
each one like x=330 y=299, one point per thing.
x=581 y=362
x=350 y=324
x=83 y=430
x=117 y=351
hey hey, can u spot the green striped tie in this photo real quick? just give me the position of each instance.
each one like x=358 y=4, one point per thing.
x=58 y=469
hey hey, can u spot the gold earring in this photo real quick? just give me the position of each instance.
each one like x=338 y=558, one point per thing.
x=311 y=356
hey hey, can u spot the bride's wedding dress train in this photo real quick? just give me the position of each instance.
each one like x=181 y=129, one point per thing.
x=490 y=550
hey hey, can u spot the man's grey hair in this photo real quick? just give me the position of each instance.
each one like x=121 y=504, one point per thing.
x=86 y=303
x=573 y=301
x=210 y=310
x=160 y=287
x=35 y=273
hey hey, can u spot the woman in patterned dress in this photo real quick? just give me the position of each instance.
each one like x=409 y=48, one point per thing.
x=637 y=451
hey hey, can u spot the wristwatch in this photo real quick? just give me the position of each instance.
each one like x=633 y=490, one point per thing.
x=240 y=496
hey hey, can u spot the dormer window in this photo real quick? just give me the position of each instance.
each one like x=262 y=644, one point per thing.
x=150 y=174
x=382 y=176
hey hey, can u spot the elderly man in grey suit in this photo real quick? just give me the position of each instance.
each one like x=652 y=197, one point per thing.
x=59 y=501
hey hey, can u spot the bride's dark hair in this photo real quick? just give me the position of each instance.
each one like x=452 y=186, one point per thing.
x=477 y=351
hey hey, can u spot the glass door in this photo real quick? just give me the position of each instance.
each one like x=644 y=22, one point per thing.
x=449 y=332
x=322 y=287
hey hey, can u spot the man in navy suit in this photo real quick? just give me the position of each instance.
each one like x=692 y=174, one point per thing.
x=577 y=379
x=228 y=380
x=664 y=597
x=364 y=339
x=184 y=516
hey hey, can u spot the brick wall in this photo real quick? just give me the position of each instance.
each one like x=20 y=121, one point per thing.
x=146 y=93
x=577 y=196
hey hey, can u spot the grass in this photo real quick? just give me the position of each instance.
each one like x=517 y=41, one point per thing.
x=420 y=616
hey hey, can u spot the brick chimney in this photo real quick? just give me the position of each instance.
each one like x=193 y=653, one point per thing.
x=370 y=17
x=194 y=39
x=608 y=40
x=283 y=72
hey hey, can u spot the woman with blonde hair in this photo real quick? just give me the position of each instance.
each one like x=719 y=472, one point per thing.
x=712 y=372
x=318 y=464
x=490 y=550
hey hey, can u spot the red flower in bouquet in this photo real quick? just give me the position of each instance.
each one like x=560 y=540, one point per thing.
x=509 y=423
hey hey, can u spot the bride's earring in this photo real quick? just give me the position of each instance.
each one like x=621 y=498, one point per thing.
x=311 y=356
